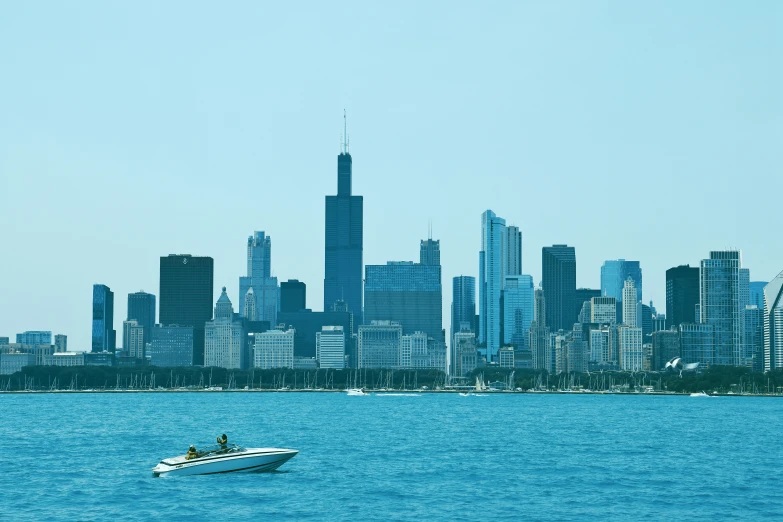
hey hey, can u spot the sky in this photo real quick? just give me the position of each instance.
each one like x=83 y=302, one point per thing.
x=650 y=131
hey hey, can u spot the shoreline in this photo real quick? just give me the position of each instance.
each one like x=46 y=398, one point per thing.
x=387 y=392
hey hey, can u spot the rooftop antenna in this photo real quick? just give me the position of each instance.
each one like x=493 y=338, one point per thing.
x=345 y=133
x=430 y=229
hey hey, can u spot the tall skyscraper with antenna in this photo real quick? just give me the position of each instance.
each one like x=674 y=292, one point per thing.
x=343 y=264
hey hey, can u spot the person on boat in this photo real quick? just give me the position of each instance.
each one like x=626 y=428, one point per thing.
x=222 y=440
x=192 y=453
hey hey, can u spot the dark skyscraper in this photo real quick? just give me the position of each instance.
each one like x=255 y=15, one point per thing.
x=141 y=308
x=293 y=296
x=584 y=294
x=558 y=281
x=682 y=295
x=104 y=337
x=344 y=242
x=429 y=253
x=405 y=292
x=186 y=284
x=463 y=304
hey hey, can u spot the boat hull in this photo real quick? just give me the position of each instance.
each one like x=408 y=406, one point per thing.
x=252 y=460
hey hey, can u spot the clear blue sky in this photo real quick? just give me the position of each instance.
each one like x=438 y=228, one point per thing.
x=131 y=130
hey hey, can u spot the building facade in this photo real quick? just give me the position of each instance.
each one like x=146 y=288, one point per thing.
x=171 y=346
x=558 y=281
x=274 y=349
x=405 y=292
x=630 y=344
x=697 y=343
x=614 y=273
x=34 y=337
x=379 y=345
x=463 y=354
x=13 y=362
x=141 y=308
x=259 y=294
x=682 y=295
x=665 y=346
x=512 y=249
x=293 y=296
x=225 y=340
x=104 y=336
x=133 y=339
x=429 y=252
x=518 y=309
x=186 y=290
x=630 y=305
x=463 y=304
x=721 y=305
x=603 y=310
x=773 y=324
x=330 y=347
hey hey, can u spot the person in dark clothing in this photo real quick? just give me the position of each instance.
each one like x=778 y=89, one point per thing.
x=192 y=453
x=222 y=440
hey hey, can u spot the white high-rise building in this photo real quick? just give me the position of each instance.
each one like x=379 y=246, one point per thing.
x=379 y=344
x=603 y=310
x=224 y=337
x=518 y=305
x=492 y=266
x=330 y=347
x=631 y=353
x=274 y=349
x=630 y=304
x=133 y=339
x=773 y=324
x=413 y=351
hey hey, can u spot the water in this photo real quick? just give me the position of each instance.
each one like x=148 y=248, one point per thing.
x=431 y=457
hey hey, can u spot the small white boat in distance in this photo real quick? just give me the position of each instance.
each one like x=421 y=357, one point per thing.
x=356 y=391
x=699 y=394
x=228 y=459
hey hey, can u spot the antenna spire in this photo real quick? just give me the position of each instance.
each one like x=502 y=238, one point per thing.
x=345 y=133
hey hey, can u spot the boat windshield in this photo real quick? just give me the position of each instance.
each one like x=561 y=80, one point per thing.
x=219 y=450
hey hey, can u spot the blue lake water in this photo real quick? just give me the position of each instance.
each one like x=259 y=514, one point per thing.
x=430 y=457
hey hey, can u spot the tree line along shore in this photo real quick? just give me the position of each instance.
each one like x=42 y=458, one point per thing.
x=720 y=380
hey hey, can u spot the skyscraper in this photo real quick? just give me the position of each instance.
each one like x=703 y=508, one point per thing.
x=293 y=296
x=559 y=284
x=491 y=273
x=773 y=324
x=407 y=293
x=379 y=344
x=104 y=337
x=613 y=276
x=513 y=251
x=186 y=285
x=463 y=304
x=171 y=346
x=224 y=341
x=539 y=333
x=682 y=295
x=330 y=347
x=756 y=289
x=518 y=309
x=429 y=253
x=343 y=243
x=258 y=282
x=141 y=308
x=720 y=304
x=630 y=305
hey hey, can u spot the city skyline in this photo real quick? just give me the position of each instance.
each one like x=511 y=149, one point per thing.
x=117 y=185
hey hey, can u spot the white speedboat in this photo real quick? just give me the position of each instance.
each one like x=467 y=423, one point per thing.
x=225 y=459
x=699 y=394
x=356 y=391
